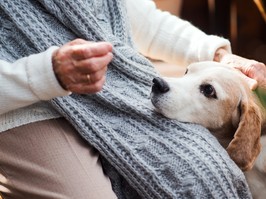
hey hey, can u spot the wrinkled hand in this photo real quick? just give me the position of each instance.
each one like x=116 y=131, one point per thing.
x=255 y=71
x=80 y=66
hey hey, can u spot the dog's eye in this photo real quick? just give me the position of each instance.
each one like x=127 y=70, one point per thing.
x=208 y=91
x=186 y=71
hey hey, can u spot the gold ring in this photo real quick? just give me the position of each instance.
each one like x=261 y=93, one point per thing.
x=89 y=78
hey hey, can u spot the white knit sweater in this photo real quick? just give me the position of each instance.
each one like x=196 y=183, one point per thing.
x=27 y=83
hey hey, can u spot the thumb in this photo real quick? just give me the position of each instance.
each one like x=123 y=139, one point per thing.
x=252 y=83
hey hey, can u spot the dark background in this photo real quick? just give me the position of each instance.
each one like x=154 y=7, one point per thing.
x=237 y=20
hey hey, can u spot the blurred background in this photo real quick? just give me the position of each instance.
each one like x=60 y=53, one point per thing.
x=241 y=21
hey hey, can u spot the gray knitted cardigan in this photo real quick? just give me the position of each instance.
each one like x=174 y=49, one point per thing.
x=144 y=154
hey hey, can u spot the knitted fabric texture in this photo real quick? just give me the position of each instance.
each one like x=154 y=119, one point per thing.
x=144 y=154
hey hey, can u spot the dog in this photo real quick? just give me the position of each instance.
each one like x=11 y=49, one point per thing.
x=217 y=97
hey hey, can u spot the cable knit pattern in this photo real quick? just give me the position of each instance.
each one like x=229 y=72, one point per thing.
x=144 y=154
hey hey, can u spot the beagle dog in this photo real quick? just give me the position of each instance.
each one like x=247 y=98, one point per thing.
x=216 y=96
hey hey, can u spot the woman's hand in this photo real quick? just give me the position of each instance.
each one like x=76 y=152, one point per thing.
x=80 y=66
x=255 y=71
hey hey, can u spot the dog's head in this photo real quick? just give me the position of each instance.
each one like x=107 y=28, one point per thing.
x=217 y=97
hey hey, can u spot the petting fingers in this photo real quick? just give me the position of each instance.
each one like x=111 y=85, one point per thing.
x=254 y=71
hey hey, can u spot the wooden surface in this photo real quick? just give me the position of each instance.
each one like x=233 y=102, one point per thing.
x=172 y=6
x=169 y=70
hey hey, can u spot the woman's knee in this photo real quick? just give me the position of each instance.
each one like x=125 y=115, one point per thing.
x=50 y=160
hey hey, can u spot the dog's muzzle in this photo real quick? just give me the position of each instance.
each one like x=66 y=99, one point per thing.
x=160 y=86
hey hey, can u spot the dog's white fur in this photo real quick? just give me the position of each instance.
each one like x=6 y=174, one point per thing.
x=232 y=112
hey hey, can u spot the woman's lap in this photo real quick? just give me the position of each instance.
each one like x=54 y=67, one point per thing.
x=49 y=159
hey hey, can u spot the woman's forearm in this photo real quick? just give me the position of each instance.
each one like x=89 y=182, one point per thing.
x=28 y=80
x=163 y=36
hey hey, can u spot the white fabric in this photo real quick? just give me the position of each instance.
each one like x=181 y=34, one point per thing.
x=156 y=34
x=161 y=35
x=27 y=81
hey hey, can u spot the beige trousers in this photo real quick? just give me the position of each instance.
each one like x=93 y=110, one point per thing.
x=49 y=160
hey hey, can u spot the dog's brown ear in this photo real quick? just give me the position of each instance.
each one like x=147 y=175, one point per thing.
x=245 y=146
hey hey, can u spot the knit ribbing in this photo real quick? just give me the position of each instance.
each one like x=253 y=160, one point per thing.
x=152 y=156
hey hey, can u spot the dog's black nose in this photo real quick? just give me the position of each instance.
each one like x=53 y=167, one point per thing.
x=160 y=85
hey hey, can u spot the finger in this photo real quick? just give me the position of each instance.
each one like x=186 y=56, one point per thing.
x=86 y=79
x=252 y=83
x=79 y=41
x=95 y=77
x=241 y=67
x=83 y=88
x=79 y=78
x=89 y=50
x=70 y=75
x=94 y=64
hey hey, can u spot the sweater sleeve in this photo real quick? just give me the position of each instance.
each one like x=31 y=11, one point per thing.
x=163 y=36
x=28 y=80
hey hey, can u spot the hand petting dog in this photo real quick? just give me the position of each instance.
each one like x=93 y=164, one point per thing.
x=255 y=71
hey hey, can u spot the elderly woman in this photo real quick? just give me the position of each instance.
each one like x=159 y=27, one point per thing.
x=75 y=115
